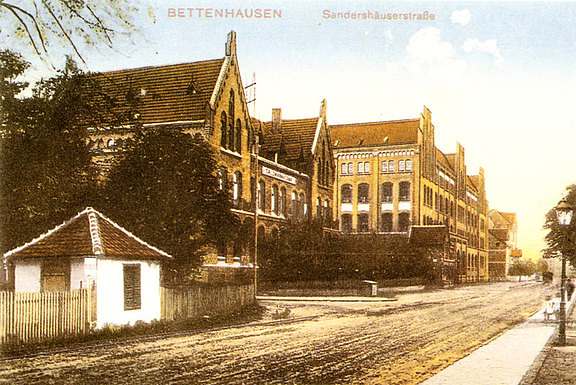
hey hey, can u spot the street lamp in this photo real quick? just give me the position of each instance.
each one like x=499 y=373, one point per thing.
x=564 y=212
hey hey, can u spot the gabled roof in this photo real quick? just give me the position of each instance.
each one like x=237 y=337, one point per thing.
x=88 y=234
x=375 y=133
x=295 y=137
x=502 y=235
x=161 y=94
x=443 y=159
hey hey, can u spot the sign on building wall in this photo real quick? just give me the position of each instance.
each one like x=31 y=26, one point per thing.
x=278 y=175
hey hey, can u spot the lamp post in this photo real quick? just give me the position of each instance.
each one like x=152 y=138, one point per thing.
x=564 y=213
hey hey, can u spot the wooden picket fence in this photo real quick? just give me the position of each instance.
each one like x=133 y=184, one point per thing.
x=198 y=301
x=31 y=317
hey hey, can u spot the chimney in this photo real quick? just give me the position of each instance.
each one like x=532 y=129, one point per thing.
x=276 y=119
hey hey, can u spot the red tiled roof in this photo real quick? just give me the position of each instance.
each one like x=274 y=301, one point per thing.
x=163 y=94
x=88 y=234
x=296 y=136
x=375 y=133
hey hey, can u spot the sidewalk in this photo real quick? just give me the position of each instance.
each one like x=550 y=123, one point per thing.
x=505 y=360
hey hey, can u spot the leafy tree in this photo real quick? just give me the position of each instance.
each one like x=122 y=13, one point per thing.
x=164 y=188
x=522 y=267
x=41 y=24
x=561 y=239
x=46 y=173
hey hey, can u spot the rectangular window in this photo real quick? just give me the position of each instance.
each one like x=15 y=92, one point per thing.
x=344 y=168
x=391 y=166
x=350 y=168
x=384 y=166
x=408 y=164
x=132 y=287
x=367 y=167
x=360 y=167
x=401 y=165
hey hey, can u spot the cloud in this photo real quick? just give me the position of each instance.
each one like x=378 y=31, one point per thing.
x=461 y=17
x=388 y=37
x=426 y=45
x=488 y=46
x=427 y=54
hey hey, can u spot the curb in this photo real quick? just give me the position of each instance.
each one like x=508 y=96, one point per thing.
x=326 y=299
x=531 y=374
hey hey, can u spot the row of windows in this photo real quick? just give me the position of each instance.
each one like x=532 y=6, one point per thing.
x=386 y=195
x=386 y=224
x=278 y=201
x=388 y=166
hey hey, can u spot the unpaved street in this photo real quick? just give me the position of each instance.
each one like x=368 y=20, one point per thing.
x=400 y=342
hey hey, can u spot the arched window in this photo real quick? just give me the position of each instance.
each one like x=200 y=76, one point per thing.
x=261 y=195
x=346 y=223
x=404 y=191
x=401 y=165
x=360 y=167
x=390 y=166
x=274 y=206
x=363 y=223
x=384 y=166
x=408 y=164
x=363 y=193
x=367 y=167
x=237 y=187
x=403 y=222
x=350 y=168
x=223 y=130
x=283 y=201
x=386 y=222
x=346 y=196
x=110 y=143
x=344 y=168
x=294 y=208
x=238 y=130
x=222 y=178
x=387 y=192
x=327 y=210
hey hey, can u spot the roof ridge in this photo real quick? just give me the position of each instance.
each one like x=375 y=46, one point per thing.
x=376 y=122
x=157 y=66
x=94 y=229
x=131 y=235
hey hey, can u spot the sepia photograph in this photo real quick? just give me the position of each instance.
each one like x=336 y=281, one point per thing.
x=287 y=192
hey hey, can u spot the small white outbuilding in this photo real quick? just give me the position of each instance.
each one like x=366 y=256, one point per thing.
x=91 y=249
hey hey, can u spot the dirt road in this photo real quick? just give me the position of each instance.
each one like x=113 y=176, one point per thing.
x=400 y=342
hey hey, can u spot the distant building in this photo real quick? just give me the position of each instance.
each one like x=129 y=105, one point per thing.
x=391 y=176
x=503 y=243
x=291 y=178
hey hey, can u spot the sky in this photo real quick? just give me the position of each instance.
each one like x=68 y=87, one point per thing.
x=499 y=77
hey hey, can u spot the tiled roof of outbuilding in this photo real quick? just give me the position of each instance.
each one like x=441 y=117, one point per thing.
x=375 y=133
x=87 y=234
x=296 y=136
x=162 y=94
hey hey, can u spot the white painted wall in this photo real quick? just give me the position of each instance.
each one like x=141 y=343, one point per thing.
x=77 y=276
x=27 y=275
x=110 y=293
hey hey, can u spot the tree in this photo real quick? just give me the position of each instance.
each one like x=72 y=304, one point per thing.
x=164 y=188
x=46 y=173
x=561 y=239
x=522 y=267
x=42 y=25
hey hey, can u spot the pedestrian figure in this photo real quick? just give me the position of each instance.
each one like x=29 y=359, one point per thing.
x=552 y=308
x=569 y=288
